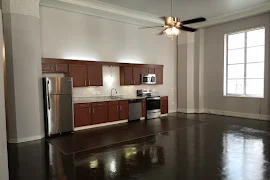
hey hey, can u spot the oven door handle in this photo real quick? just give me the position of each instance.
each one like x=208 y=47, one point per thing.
x=154 y=98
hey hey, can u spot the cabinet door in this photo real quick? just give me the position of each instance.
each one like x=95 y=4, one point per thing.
x=79 y=74
x=113 y=112
x=143 y=108
x=81 y=117
x=144 y=70
x=159 y=75
x=95 y=77
x=151 y=70
x=99 y=114
x=164 y=105
x=61 y=68
x=124 y=110
x=128 y=76
x=47 y=67
x=136 y=75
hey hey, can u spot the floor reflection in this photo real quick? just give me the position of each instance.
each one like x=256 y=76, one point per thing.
x=244 y=155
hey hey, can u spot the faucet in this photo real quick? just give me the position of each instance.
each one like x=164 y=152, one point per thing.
x=112 y=96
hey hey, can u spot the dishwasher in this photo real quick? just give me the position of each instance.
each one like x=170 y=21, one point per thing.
x=135 y=109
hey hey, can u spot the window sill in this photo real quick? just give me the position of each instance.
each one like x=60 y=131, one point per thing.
x=243 y=96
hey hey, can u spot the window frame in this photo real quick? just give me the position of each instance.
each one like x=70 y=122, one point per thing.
x=226 y=50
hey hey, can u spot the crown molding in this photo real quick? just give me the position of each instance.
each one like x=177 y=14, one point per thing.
x=118 y=13
x=241 y=14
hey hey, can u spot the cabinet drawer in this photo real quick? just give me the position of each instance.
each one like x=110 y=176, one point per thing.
x=94 y=104
x=164 y=97
x=61 y=68
x=81 y=105
x=123 y=102
x=113 y=103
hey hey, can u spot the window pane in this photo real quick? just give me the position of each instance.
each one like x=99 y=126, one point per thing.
x=236 y=41
x=235 y=86
x=254 y=87
x=255 y=54
x=236 y=56
x=236 y=71
x=255 y=70
x=255 y=37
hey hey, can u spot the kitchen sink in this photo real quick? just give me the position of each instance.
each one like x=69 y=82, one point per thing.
x=115 y=97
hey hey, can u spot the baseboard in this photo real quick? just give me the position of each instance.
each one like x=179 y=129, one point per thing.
x=226 y=113
x=162 y=115
x=190 y=110
x=26 y=139
x=100 y=125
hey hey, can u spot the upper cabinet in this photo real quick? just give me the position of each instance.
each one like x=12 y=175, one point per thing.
x=89 y=73
x=86 y=75
x=95 y=77
x=79 y=74
x=159 y=75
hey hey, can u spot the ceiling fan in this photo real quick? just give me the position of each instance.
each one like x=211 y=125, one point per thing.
x=173 y=25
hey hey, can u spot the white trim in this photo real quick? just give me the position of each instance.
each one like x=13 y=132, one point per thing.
x=100 y=125
x=118 y=10
x=162 y=115
x=226 y=113
x=241 y=14
x=26 y=139
x=191 y=111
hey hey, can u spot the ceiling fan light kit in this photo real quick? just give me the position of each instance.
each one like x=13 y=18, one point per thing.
x=173 y=26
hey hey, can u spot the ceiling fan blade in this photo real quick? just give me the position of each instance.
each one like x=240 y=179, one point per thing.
x=161 y=33
x=196 y=20
x=185 y=28
x=147 y=27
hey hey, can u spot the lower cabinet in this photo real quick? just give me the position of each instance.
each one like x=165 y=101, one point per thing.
x=123 y=110
x=82 y=114
x=164 y=104
x=99 y=112
x=143 y=107
x=113 y=111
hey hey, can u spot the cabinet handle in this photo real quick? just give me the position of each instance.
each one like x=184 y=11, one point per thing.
x=120 y=107
x=134 y=82
x=117 y=107
x=85 y=82
x=93 y=110
x=89 y=111
x=89 y=83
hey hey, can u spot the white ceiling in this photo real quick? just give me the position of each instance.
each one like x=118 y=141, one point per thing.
x=186 y=9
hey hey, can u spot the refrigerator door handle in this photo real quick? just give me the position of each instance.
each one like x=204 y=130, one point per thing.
x=48 y=94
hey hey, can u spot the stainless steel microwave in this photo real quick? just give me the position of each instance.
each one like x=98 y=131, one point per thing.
x=148 y=79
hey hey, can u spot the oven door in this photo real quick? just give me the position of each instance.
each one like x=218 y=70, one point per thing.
x=152 y=103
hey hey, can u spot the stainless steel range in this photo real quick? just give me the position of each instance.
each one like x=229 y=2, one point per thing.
x=152 y=103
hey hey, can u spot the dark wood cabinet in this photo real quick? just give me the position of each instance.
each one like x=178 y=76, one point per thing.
x=123 y=110
x=136 y=75
x=143 y=107
x=61 y=68
x=164 y=105
x=95 y=77
x=126 y=75
x=82 y=115
x=48 y=68
x=113 y=111
x=159 y=75
x=79 y=74
x=99 y=112
x=151 y=70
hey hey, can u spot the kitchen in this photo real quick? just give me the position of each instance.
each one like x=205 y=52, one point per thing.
x=100 y=110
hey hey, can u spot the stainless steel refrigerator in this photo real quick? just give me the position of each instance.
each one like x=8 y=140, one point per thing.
x=58 y=105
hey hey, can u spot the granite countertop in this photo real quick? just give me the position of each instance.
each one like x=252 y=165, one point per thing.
x=103 y=98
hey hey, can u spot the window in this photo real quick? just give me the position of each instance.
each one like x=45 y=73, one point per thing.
x=244 y=63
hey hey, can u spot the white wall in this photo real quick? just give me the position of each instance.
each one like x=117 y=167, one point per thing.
x=214 y=65
x=70 y=35
x=3 y=138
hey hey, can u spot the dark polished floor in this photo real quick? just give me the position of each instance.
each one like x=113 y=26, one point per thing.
x=178 y=147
